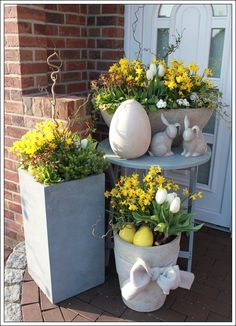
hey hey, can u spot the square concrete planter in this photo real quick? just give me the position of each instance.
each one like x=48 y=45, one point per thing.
x=64 y=258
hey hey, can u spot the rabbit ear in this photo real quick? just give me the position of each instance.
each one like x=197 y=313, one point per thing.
x=186 y=122
x=163 y=119
x=196 y=128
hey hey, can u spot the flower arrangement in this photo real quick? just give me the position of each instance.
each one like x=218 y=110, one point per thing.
x=155 y=86
x=52 y=154
x=150 y=212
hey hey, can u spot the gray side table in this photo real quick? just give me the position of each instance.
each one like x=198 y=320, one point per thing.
x=174 y=162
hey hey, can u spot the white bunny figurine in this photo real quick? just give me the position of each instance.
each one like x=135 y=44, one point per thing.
x=194 y=143
x=162 y=141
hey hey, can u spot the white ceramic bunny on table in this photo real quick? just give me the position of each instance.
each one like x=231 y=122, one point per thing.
x=194 y=143
x=162 y=141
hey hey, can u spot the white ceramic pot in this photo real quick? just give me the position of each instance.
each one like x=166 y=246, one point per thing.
x=126 y=254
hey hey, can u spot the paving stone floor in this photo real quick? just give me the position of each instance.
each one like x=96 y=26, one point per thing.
x=209 y=300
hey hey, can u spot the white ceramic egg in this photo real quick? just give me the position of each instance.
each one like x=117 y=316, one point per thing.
x=130 y=130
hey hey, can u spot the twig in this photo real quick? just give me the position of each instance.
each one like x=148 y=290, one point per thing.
x=134 y=28
x=54 y=76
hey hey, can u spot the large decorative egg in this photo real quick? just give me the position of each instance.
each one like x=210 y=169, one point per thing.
x=130 y=130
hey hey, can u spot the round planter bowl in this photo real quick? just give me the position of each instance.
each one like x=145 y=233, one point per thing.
x=198 y=116
x=151 y=297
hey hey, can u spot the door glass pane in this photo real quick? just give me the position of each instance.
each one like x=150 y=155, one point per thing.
x=204 y=171
x=219 y=10
x=210 y=127
x=162 y=42
x=216 y=50
x=165 y=10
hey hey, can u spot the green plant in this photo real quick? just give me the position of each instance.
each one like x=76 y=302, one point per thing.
x=148 y=202
x=52 y=153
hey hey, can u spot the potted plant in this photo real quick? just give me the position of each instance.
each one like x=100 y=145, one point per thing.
x=62 y=184
x=149 y=217
x=175 y=90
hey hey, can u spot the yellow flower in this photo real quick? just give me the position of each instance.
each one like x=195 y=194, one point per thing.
x=208 y=72
x=193 y=67
x=185 y=191
x=69 y=141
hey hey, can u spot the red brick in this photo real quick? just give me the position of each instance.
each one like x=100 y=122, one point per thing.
x=113 y=32
x=77 y=87
x=75 y=65
x=16 y=199
x=83 y=9
x=31 y=312
x=113 y=9
x=110 y=43
x=26 y=55
x=112 y=55
x=41 y=55
x=8 y=119
x=91 y=43
x=18 y=120
x=9 y=141
x=16 y=94
x=56 y=43
x=12 y=68
x=75 y=19
x=54 y=18
x=7 y=195
x=94 y=32
x=104 y=65
x=10 y=165
x=12 y=55
x=19 y=219
x=13 y=107
x=15 y=207
x=11 y=234
x=94 y=54
x=20 y=237
x=33 y=68
x=70 y=54
x=11 y=41
x=69 y=8
x=94 y=9
x=69 y=31
x=53 y=315
x=10 y=11
x=8 y=214
x=30 y=293
x=14 y=82
x=17 y=27
x=11 y=176
x=27 y=82
x=80 y=318
x=15 y=132
x=10 y=225
x=10 y=186
x=76 y=43
x=32 y=41
x=28 y=13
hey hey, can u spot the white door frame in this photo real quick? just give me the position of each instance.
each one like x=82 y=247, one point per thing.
x=222 y=148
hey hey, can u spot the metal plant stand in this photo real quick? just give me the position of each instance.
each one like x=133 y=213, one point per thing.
x=174 y=162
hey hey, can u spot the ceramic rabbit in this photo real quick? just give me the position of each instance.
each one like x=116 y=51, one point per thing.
x=162 y=141
x=194 y=143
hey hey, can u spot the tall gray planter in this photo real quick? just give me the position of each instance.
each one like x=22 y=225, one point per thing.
x=63 y=256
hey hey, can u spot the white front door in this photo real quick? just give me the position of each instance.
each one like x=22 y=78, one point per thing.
x=207 y=41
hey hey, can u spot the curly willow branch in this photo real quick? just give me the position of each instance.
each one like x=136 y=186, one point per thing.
x=54 y=75
x=134 y=28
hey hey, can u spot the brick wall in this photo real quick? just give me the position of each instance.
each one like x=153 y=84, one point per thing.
x=89 y=38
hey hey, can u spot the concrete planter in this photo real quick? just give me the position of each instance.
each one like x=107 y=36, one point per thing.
x=198 y=116
x=126 y=254
x=63 y=256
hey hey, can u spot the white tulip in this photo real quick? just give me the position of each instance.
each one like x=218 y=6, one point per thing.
x=171 y=197
x=153 y=68
x=161 y=70
x=84 y=143
x=161 y=196
x=149 y=74
x=175 y=205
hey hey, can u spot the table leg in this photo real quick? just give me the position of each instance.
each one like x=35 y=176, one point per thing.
x=192 y=189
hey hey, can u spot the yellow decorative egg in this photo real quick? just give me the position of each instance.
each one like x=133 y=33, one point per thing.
x=127 y=233
x=143 y=237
